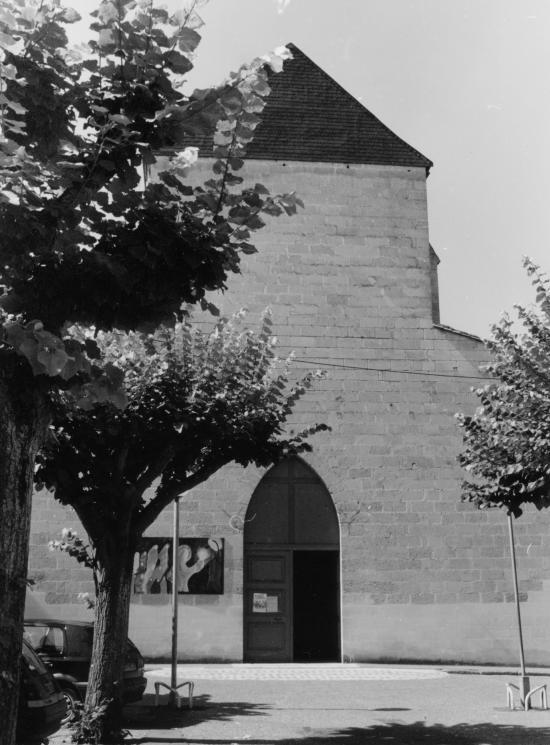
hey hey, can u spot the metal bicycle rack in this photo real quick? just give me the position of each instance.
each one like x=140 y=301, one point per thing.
x=524 y=694
x=174 y=690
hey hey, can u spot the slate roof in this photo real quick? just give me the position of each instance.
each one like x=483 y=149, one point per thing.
x=310 y=117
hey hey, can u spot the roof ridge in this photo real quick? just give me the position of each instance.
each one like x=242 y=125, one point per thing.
x=356 y=103
x=310 y=118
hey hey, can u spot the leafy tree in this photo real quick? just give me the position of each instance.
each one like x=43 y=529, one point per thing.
x=507 y=440
x=196 y=401
x=83 y=241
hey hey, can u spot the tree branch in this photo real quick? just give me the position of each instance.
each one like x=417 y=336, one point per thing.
x=153 y=509
x=90 y=519
x=155 y=469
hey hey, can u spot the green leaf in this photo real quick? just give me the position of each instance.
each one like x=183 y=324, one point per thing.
x=6 y=40
x=107 y=12
x=261 y=87
x=106 y=38
x=69 y=15
x=232 y=101
x=222 y=138
x=13 y=105
x=253 y=104
x=177 y=62
x=8 y=19
x=188 y=40
x=119 y=119
x=52 y=360
x=92 y=349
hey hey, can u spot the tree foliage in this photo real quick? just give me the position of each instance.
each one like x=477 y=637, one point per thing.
x=507 y=440
x=86 y=240
x=197 y=400
x=82 y=239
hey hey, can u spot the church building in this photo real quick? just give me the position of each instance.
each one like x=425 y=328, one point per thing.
x=361 y=550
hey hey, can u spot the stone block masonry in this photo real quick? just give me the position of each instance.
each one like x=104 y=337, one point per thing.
x=424 y=577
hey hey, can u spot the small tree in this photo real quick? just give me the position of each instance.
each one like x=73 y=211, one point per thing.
x=507 y=440
x=81 y=241
x=196 y=401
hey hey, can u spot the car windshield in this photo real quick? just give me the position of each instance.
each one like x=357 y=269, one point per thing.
x=35 y=634
x=32 y=660
x=45 y=638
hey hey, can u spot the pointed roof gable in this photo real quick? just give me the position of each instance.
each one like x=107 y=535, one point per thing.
x=310 y=117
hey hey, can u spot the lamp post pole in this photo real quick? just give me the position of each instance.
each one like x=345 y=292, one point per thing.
x=176 y=531
x=524 y=680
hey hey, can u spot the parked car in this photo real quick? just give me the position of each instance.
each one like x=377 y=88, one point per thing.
x=66 y=647
x=42 y=705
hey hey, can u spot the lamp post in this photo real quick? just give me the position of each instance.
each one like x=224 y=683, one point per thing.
x=174 y=698
x=175 y=545
x=524 y=680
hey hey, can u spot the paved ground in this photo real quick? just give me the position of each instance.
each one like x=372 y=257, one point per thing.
x=320 y=705
x=295 y=672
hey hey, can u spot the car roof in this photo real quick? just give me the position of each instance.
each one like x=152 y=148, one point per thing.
x=57 y=622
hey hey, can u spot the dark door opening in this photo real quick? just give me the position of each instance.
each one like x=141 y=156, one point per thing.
x=316 y=606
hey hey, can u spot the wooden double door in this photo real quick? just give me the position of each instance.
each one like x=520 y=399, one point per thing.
x=291 y=569
x=292 y=606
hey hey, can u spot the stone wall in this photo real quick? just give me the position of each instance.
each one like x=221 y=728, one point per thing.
x=424 y=577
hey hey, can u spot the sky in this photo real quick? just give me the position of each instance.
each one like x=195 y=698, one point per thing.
x=466 y=82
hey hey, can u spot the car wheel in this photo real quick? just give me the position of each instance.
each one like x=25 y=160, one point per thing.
x=72 y=699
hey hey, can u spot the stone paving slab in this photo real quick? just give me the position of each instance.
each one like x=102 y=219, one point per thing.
x=294 y=672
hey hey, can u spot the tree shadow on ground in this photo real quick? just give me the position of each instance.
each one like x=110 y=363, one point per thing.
x=390 y=733
x=147 y=716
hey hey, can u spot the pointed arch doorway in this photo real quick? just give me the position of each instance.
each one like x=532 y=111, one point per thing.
x=291 y=569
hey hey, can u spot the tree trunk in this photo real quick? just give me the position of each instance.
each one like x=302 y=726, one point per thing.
x=23 y=423
x=106 y=681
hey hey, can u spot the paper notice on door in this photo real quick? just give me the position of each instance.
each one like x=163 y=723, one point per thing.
x=259 y=602
x=272 y=604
